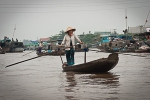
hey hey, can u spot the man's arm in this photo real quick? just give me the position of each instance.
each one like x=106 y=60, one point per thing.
x=63 y=42
x=77 y=39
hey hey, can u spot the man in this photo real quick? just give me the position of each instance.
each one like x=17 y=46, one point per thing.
x=69 y=41
x=40 y=46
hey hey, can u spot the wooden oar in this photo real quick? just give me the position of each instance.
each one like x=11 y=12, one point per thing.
x=22 y=61
x=60 y=55
x=28 y=52
x=61 y=59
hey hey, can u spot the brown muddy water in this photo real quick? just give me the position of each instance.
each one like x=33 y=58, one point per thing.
x=43 y=78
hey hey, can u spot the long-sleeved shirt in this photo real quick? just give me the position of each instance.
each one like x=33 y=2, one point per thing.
x=0 y=48
x=67 y=39
x=41 y=45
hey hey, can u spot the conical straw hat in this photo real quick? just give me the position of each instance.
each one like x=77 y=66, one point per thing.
x=69 y=29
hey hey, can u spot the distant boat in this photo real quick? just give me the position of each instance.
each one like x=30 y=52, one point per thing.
x=16 y=47
x=111 y=51
x=99 y=65
x=54 y=53
x=11 y=46
x=127 y=50
x=113 y=43
x=143 y=49
x=80 y=48
x=2 y=52
x=108 y=50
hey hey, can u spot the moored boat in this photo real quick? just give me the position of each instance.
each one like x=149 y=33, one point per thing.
x=17 y=49
x=111 y=51
x=148 y=50
x=2 y=52
x=141 y=51
x=126 y=50
x=99 y=65
x=11 y=46
x=81 y=48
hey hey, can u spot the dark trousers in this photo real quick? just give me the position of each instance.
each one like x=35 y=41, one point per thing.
x=39 y=49
x=70 y=56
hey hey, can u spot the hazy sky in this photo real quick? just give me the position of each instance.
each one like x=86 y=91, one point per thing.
x=43 y=18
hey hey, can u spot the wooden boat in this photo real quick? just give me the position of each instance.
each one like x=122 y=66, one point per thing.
x=80 y=48
x=2 y=52
x=148 y=50
x=111 y=51
x=99 y=65
x=126 y=50
x=55 y=53
x=141 y=51
x=12 y=46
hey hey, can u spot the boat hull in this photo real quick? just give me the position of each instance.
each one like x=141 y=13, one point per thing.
x=57 y=53
x=100 y=65
x=141 y=51
x=111 y=51
x=148 y=50
x=13 y=47
x=2 y=52
x=126 y=51
x=17 y=50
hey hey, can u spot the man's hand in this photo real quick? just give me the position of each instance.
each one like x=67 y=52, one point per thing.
x=60 y=45
x=81 y=43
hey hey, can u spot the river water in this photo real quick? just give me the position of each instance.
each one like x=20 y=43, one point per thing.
x=43 y=79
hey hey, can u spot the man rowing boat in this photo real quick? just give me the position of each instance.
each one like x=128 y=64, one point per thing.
x=40 y=47
x=69 y=41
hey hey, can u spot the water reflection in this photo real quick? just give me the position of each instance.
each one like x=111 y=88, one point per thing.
x=70 y=76
x=108 y=79
x=71 y=83
x=76 y=82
